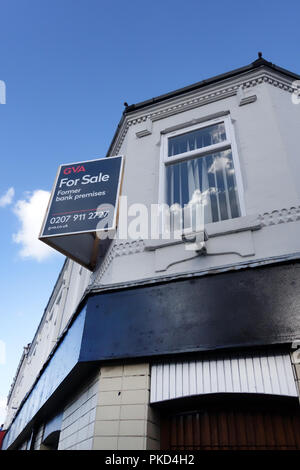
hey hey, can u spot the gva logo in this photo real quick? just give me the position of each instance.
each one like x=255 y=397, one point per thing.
x=2 y=92
x=73 y=169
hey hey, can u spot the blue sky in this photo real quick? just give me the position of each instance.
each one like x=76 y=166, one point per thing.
x=68 y=66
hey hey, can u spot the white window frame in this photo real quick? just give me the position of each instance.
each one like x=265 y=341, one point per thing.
x=230 y=142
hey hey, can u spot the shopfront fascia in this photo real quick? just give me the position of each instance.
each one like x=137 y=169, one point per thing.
x=253 y=308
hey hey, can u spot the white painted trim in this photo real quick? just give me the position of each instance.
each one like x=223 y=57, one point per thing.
x=197 y=152
x=229 y=142
x=237 y=166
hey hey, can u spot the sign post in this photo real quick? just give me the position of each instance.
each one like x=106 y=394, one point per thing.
x=83 y=202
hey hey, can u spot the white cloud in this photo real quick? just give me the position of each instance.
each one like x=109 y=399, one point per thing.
x=219 y=163
x=7 y=198
x=30 y=213
x=2 y=409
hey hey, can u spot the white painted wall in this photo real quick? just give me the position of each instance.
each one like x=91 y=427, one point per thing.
x=266 y=132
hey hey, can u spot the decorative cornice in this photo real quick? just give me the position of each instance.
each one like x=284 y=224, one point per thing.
x=117 y=249
x=196 y=99
x=271 y=80
x=193 y=103
x=124 y=248
x=281 y=216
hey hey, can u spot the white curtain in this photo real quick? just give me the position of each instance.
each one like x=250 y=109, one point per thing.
x=214 y=176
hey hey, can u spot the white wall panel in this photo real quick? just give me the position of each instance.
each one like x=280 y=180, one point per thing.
x=267 y=374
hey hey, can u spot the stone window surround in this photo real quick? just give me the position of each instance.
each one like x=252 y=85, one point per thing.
x=223 y=116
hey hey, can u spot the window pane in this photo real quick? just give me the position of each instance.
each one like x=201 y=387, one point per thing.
x=197 y=139
x=214 y=176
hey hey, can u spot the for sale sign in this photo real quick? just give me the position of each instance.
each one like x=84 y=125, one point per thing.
x=84 y=200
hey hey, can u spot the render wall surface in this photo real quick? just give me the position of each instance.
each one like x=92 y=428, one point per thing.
x=266 y=134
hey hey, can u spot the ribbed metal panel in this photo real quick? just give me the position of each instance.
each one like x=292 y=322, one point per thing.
x=270 y=374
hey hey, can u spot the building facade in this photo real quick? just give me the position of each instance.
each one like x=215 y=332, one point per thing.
x=186 y=342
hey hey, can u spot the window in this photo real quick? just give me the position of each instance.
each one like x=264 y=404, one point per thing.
x=203 y=159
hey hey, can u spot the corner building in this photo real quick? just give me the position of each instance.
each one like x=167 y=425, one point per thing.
x=164 y=347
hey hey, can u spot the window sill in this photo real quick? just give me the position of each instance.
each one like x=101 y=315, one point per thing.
x=216 y=229
x=227 y=237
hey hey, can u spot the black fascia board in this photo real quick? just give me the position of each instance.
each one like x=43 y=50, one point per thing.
x=217 y=78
